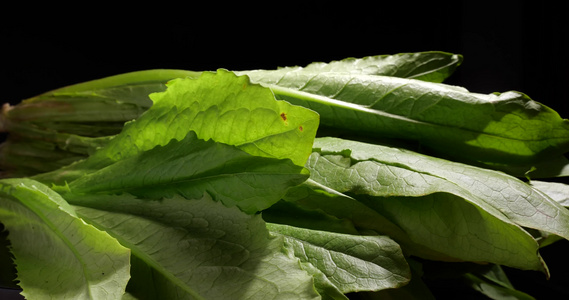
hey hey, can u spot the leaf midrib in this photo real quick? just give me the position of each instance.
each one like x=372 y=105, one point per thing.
x=310 y=97
x=191 y=181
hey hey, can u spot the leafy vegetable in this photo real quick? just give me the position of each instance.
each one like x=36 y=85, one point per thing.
x=495 y=285
x=376 y=170
x=361 y=178
x=433 y=66
x=217 y=106
x=507 y=128
x=199 y=249
x=555 y=190
x=56 y=253
x=349 y=263
x=75 y=121
x=191 y=167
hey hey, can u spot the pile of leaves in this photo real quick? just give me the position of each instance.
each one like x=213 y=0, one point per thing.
x=354 y=179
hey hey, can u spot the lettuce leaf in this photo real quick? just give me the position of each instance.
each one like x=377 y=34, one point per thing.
x=219 y=106
x=74 y=121
x=407 y=173
x=198 y=249
x=557 y=191
x=215 y=187
x=191 y=167
x=462 y=211
x=499 y=128
x=56 y=253
x=432 y=66
x=345 y=263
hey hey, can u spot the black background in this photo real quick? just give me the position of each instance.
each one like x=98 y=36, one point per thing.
x=507 y=45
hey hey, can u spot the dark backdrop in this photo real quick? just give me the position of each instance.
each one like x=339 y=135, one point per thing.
x=507 y=45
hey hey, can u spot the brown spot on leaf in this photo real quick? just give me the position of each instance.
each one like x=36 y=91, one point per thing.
x=300 y=128
x=283 y=116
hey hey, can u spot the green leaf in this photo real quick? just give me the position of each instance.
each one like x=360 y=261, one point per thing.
x=495 y=285
x=555 y=166
x=22 y=158
x=58 y=255
x=76 y=119
x=117 y=98
x=436 y=228
x=313 y=197
x=557 y=191
x=350 y=262
x=72 y=143
x=434 y=66
x=199 y=249
x=228 y=109
x=289 y=213
x=416 y=289
x=219 y=106
x=407 y=173
x=460 y=230
x=191 y=167
x=507 y=128
x=466 y=212
x=121 y=83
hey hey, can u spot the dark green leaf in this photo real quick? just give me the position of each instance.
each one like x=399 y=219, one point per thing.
x=433 y=66
x=507 y=128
